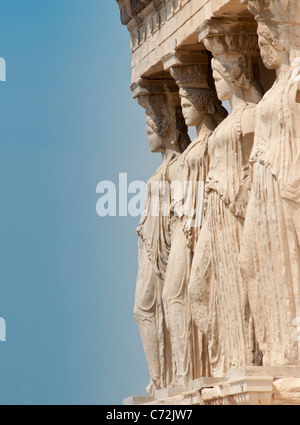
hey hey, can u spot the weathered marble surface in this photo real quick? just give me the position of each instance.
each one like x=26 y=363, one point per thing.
x=201 y=109
x=270 y=256
x=167 y=134
x=218 y=284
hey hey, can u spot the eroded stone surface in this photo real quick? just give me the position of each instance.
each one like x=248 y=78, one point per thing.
x=286 y=391
x=223 y=293
x=249 y=389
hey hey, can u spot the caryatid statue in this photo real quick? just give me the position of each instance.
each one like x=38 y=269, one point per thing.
x=167 y=134
x=217 y=293
x=270 y=254
x=201 y=109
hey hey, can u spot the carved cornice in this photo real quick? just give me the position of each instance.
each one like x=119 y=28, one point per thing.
x=229 y=35
x=220 y=26
x=148 y=86
x=157 y=27
x=129 y=9
x=189 y=68
x=276 y=11
x=185 y=57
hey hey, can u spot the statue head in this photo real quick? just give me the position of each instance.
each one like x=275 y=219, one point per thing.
x=197 y=93
x=235 y=64
x=278 y=29
x=165 y=123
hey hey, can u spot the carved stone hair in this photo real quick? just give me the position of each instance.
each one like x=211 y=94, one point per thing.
x=182 y=136
x=156 y=116
x=196 y=84
x=236 y=58
x=206 y=101
x=164 y=115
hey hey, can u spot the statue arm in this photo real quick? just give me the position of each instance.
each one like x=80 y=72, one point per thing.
x=247 y=129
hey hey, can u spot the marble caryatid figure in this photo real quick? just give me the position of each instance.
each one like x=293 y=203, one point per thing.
x=218 y=296
x=270 y=254
x=203 y=110
x=167 y=134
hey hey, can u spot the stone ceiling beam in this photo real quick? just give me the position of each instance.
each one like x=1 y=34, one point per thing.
x=157 y=27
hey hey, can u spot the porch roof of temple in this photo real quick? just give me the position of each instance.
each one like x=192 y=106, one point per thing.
x=158 y=27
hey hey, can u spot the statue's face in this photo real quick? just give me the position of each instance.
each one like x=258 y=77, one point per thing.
x=271 y=57
x=223 y=88
x=156 y=143
x=191 y=115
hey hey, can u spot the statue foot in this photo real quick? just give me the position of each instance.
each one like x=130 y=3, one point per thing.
x=151 y=389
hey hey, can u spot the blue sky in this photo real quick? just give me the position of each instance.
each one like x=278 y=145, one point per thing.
x=67 y=276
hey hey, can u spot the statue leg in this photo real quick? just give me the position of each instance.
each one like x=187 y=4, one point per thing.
x=176 y=308
x=200 y=282
x=270 y=259
x=146 y=313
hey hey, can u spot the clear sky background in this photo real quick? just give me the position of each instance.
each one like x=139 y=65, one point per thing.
x=67 y=276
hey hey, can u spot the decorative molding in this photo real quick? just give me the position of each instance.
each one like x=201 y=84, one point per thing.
x=244 y=386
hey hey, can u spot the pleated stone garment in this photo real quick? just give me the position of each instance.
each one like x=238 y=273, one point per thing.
x=270 y=254
x=218 y=296
x=154 y=241
x=188 y=345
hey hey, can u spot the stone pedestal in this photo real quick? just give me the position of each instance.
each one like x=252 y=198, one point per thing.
x=244 y=386
x=137 y=400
